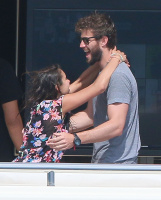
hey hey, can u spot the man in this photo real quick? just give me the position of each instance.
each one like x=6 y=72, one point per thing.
x=114 y=113
x=10 y=120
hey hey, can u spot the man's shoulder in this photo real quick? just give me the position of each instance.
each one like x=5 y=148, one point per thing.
x=122 y=70
x=122 y=67
x=122 y=74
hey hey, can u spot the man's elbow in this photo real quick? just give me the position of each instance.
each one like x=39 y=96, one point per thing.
x=119 y=130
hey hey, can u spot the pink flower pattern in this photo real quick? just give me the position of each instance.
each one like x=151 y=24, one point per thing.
x=45 y=119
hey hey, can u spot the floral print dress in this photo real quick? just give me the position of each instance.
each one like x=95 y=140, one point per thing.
x=45 y=119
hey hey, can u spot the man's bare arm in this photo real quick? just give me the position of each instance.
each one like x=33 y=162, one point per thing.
x=82 y=120
x=114 y=127
x=13 y=122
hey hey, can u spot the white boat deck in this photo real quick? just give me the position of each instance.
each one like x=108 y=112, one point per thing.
x=79 y=181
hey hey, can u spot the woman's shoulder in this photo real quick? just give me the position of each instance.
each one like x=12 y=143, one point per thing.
x=48 y=103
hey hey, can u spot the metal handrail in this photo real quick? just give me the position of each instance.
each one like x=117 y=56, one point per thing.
x=81 y=166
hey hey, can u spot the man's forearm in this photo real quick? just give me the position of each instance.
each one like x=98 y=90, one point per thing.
x=113 y=128
x=105 y=131
x=13 y=122
x=15 y=132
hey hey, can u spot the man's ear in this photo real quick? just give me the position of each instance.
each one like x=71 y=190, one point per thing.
x=104 y=41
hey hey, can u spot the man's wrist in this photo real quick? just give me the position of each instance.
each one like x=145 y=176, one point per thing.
x=77 y=140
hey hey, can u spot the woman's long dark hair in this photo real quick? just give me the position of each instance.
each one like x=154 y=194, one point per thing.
x=42 y=85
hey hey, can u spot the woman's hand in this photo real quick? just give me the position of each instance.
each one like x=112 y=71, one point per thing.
x=119 y=55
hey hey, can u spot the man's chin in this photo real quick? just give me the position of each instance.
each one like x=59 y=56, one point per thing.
x=91 y=62
x=87 y=60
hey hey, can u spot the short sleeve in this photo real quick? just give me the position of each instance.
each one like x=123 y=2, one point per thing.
x=9 y=86
x=119 y=90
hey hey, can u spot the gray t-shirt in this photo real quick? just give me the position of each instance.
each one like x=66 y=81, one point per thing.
x=121 y=149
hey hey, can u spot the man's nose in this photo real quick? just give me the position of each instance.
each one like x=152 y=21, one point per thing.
x=82 y=44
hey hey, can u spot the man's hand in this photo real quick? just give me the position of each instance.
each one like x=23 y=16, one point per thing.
x=61 y=141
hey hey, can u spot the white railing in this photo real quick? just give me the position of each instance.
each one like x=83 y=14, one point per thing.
x=81 y=166
x=50 y=168
x=79 y=181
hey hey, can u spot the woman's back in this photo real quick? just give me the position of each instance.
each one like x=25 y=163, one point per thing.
x=45 y=119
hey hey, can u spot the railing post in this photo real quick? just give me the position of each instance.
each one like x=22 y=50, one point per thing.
x=50 y=178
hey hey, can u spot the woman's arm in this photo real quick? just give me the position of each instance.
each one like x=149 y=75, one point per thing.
x=74 y=100
x=85 y=79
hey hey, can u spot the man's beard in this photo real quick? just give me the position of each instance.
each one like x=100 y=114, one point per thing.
x=96 y=55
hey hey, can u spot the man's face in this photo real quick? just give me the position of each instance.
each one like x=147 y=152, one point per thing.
x=90 y=45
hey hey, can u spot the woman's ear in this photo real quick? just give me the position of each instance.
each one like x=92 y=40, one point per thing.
x=104 y=41
x=57 y=88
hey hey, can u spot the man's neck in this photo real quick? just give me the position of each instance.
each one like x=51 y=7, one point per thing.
x=105 y=58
